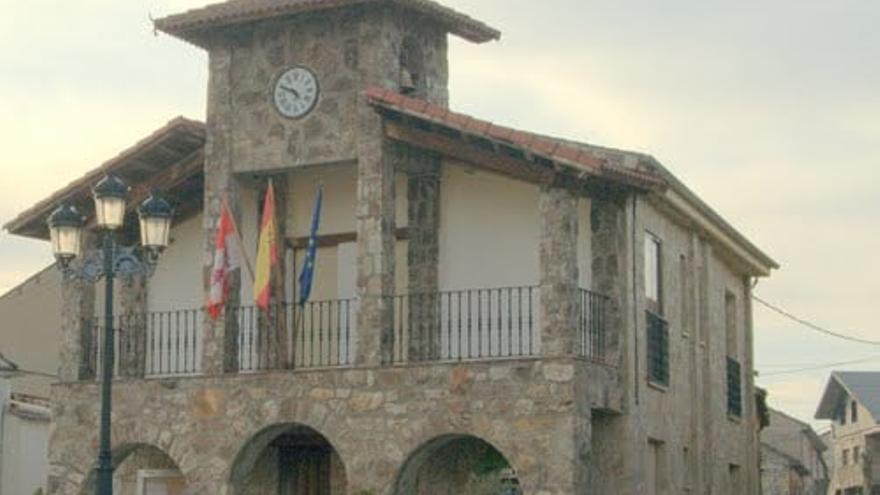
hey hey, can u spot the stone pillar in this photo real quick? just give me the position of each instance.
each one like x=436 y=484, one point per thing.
x=132 y=319
x=558 y=270
x=78 y=349
x=220 y=338
x=620 y=440
x=376 y=241
x=423 y=208
x=282 y=357
x=750 y=410
x=612 y=252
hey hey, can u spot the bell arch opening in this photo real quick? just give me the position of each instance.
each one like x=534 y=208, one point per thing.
x=460 y=464
x=140 y=469
x=288 y=459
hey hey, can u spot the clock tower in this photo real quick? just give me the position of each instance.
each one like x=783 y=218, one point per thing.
x=260 y=50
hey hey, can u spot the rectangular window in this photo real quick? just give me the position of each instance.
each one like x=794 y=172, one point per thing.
x=854 y=415
x=687 y=472
x=658 y=349
x=730 y=324
x=857 y=452
x=844 y=460
x=657 y=477
x=684 y=295
x=734 y=387
x=653 y=282
x=735 y=474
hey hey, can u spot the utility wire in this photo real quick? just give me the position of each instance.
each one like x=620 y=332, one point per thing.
x=813 y=326
x=819 y=367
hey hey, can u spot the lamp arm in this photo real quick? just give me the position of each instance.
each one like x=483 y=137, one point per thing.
x=128 y=261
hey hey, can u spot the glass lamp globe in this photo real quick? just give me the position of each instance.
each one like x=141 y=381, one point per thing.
x=155 y=215
x=66 y=232
x=109 y=195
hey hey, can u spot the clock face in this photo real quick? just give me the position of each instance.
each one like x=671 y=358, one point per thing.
x=295 y=92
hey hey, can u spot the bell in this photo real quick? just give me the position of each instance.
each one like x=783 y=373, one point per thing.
x=407 y=82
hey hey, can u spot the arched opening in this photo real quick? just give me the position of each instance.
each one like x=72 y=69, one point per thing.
x=460 y=465
x=288 y=459
x=412 y=68
x=142 y=469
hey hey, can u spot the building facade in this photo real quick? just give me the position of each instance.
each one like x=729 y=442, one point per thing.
x=792 y=461
x=494 y=310
x=27 y=334
x=852 y=402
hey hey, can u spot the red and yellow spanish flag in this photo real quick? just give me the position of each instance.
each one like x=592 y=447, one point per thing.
x=267 y=253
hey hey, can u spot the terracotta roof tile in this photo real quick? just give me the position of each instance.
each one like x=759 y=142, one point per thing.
x=437 y=112
x=521 y=138
x=194 y=24
x=478 y=126
x=568 y=153
x=499 y=132
x=544 y=146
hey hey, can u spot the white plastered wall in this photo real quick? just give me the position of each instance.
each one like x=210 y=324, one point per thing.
x=489 y=230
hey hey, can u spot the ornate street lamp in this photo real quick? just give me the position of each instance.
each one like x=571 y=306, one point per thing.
x=66 y=231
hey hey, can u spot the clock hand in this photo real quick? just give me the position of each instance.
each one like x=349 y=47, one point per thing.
x=286 y=88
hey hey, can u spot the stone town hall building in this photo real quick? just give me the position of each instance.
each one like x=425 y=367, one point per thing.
x=495 y=311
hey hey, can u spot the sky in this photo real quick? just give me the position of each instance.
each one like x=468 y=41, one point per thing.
x=767 y=109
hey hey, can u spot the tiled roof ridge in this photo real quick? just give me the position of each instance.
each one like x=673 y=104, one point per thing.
x=189 y=23
x=554 y=149
x=106 y=167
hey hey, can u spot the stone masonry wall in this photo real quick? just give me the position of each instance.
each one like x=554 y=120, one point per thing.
x=374 y=418
x=348 y=49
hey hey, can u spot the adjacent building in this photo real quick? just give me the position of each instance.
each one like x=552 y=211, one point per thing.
x=792 y=460
x=851 y=401
x=30 y=328
x=494 y=310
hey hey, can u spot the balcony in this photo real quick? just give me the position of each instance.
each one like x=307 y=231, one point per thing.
x=445 y=326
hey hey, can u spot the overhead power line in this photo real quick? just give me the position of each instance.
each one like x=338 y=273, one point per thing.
x=818 y=367
x=813 y=326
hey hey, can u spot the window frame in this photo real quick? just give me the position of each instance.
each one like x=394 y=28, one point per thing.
x=657 y=353
x=653 y=272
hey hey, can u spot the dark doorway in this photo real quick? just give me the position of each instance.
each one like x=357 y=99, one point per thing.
x=303 y=470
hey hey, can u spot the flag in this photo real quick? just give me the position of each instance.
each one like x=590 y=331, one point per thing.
x=308 y=271
x=225 y=260
x=267 y=253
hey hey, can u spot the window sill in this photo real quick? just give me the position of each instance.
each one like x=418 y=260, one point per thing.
x=734 y=418
x=658 y=386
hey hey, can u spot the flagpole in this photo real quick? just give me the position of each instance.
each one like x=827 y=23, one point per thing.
x=244 y=256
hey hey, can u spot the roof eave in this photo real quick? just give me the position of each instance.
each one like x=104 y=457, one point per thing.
x=19 y=225
x=826 y=409
x=188 y=27
x=680 y=197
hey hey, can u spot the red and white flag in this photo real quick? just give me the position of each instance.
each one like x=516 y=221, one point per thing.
x=226 y=259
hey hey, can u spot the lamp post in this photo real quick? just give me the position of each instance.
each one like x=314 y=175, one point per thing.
x=66 y=232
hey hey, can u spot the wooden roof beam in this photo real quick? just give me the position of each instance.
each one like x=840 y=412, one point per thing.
x=468 y=153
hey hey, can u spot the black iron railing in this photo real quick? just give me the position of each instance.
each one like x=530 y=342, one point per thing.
x=463 y=325
x=734 y=387
x=457 y=325
x=165 y=343
x=592 y=326
x=658 y=349
x=317 y=334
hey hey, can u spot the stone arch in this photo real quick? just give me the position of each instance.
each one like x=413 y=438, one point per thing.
x=288 y=458
x=457 y=463
x=136 y=464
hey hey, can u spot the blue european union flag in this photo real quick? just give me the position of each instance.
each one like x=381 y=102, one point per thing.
x=308 y=271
